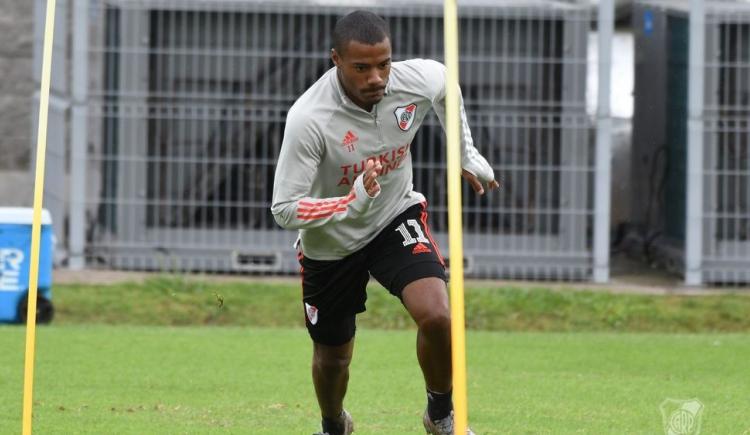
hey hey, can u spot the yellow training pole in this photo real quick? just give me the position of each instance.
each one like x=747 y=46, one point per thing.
x=36 y=225
x=452 y=130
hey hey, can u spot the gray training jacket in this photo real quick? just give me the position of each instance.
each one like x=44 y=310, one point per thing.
x=318 y=187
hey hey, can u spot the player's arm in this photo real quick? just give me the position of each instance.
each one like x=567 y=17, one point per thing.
x=475 y=168
x=292 y=206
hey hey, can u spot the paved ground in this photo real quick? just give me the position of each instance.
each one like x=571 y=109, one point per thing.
x=628 y=276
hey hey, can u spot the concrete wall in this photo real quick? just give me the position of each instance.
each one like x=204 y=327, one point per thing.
x=16 y=90
x=16 y=188
x=16 y=84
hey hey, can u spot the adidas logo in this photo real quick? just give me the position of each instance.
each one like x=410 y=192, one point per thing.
x=420 y=249
x=349 y=140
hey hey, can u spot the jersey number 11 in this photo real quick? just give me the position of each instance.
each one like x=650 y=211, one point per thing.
x=408 y=239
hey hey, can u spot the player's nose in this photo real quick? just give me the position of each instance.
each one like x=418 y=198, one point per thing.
x=375 y=80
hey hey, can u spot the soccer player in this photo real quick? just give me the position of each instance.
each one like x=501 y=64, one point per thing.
x=344 y=180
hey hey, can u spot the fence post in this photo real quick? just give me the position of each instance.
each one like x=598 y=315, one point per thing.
x=603 y=167
x=79 y=135
x=694 y=209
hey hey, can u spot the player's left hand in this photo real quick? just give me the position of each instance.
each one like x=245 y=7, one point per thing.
x=476 y=184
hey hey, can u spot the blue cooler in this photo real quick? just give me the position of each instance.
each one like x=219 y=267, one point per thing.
x=15 y=258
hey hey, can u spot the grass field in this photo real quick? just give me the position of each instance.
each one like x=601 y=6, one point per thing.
x=169 y=357
x=164 y=380
x=176 y=301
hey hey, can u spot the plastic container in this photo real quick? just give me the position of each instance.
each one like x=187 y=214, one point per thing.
x=15 y=259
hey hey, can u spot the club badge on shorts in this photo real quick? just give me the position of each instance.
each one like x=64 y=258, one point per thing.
x=312 y=313
x=405 y=116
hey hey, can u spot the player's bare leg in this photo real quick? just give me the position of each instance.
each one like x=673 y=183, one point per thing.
x=427 y=302
x=330 y=372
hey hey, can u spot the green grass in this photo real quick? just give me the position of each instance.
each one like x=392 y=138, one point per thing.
x=229 y=380
x=540 y=361
x=172 y=300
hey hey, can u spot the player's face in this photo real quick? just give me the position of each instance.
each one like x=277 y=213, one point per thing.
x=363 y=70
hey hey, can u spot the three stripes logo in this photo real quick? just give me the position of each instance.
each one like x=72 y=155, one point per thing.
x=420 y=249
x=349 y=140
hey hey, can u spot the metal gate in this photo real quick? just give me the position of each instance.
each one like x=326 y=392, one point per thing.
x=184 y=110
x=694 y=127
x=726 y=231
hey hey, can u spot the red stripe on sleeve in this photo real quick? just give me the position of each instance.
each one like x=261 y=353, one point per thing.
x=323 y=209
x=323 y=202
x=321 y=215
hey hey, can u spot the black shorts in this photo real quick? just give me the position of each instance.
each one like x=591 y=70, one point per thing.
x=334 y=292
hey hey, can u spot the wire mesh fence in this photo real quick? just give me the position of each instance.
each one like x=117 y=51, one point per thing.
x=186 y=104
x=661 y=136
x=726 y=250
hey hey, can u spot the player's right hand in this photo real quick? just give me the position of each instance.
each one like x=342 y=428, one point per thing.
x=372 y=170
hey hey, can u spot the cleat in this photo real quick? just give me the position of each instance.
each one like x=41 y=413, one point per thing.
x=346 y=421
x=441 y=427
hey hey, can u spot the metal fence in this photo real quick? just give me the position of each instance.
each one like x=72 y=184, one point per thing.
x=179 y=109
x=726 y=221
x=56 y=191
x=692 y=124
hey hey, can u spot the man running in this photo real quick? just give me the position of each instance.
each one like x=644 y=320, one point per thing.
x=344 y=180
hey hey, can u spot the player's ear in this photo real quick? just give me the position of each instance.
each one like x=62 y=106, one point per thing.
x=335 y=57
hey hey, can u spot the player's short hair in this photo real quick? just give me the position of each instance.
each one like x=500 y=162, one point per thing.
x=360 y=26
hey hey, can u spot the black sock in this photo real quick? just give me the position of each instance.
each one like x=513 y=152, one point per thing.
x=332 y=426
x=439 y=405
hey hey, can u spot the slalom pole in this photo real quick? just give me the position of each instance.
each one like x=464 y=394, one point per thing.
x=36 y=225
x=456 y=254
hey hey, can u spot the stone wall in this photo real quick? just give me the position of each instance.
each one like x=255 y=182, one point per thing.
x=16 y=84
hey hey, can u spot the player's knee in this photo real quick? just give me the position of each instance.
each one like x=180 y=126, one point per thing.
x=331 y=363
x=436 y=323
